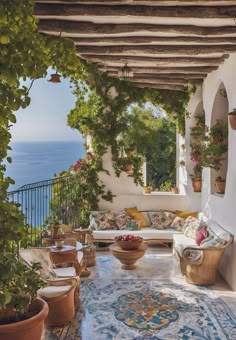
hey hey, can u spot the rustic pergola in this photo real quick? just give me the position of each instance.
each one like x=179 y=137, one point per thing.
x=166 y=43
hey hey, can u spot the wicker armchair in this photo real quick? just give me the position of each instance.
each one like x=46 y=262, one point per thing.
x=203 y=270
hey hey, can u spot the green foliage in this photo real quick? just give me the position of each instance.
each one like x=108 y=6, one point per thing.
x=80 y=192
x=197 y=135
x=155 y=138
x=166 y=186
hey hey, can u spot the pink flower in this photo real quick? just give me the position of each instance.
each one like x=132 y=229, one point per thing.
x=206 y=128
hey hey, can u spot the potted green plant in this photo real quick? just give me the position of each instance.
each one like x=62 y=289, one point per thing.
x=21 y=313
x=232 y=119
x=196 y=178
x=147 y=189
x=220 y=185
x=218 y=132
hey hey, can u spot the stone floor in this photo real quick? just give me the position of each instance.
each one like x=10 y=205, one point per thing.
x=158 y=264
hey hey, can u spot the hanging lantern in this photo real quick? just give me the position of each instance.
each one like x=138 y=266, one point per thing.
x=55 y=78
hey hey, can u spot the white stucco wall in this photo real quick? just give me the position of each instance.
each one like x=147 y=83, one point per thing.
x=221 y=208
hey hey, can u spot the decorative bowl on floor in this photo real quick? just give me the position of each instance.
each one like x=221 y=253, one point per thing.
x=129 y=242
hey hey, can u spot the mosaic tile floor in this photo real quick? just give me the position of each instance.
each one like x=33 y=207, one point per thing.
x=150 y=302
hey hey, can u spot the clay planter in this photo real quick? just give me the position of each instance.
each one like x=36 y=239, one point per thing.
x=128 y=167
x=147 y=190
x=197 y=185
x=175 y=190
x=130 y=153
x=220 y=187
x=54 y=231
x=27 y=329
x=232 y=121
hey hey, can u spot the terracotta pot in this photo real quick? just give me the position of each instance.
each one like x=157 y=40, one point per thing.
x=232 y=121
x=147 y=190
x=27 y=329
x=54 y=231
x=197 y=186
x=220 y=187
x=175 y=190
x=130 y=153
x=128 y=167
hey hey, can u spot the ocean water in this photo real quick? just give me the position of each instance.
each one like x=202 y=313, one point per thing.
x=37 y=161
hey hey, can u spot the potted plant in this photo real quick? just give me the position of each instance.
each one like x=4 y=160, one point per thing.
x=218 y=132
x=196 y=178
x=21 y=314
x=147 y=189
x=232 y=119
x=54 y=226
x=220 y=185
x=175 y=190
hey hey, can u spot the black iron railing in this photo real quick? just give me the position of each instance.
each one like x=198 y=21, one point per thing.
x=42 y=199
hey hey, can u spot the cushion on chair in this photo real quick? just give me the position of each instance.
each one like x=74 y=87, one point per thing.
x=68 y=271
x=201 y=235
x=53 y=291
x=217 y=230
x=178 y=223
x=137 y=215
x=185 y=214
x=121 y=220
x=191 y=227
x=102 y=220
x=161 y=219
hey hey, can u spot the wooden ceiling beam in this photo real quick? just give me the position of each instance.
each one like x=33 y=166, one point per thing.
x=87 y=28
x=161 y=86
x=106 y=41
x=172 y=81
x=148 y=2
x=155 y=61
x=75 y=9
x=166 y=70
x=187 y=77
x=157 y=49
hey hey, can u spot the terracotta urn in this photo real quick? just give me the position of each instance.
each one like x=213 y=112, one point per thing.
x=175 y=190
x=232 y=119
x=220 y=187
x=197 y=185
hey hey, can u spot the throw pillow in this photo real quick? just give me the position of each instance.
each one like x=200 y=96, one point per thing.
x=161 y=219
x=201 y=235
x=102 y=220
x=121 y=220
x=135 y=214
x=178 y=223
x=212 y=241
x=133 y=224
x=185 y=214
x=191 y=227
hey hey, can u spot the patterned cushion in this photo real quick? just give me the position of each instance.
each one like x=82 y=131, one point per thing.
x=121 y=220
x=185 y=214
x=212 y=241
x=191 y=227
x=201 y=235
x=102 y=220
x=133 y=224
x=161 y=219
x=137 y=215
x=178 y=223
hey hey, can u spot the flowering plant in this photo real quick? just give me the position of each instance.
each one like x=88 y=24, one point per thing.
x=79 y=193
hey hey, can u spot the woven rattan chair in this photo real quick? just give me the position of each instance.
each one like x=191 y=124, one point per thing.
x=59 y=296
x=203 y=270
x=49 y=272
x=73 y=242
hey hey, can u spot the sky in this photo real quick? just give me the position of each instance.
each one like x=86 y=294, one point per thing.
x=45 y=119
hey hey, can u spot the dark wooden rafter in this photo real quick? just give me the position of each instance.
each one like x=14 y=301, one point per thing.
x=149 y=2
x=87 y=28
x=166 y=43
x=122 y=59
x=162 y=49
x=136 y=11
x=114 y=41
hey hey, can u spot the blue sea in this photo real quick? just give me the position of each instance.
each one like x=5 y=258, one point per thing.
x=38 y=161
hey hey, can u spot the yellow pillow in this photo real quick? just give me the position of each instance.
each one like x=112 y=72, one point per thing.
x=134 y=213
x=185 y=214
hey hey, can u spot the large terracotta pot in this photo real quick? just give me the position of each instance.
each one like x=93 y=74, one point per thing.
x=220 y=187
x=232 y=121
x=27 y=329
x=197 y=186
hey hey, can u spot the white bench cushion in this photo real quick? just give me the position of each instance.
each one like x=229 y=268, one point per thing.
x=146 y=233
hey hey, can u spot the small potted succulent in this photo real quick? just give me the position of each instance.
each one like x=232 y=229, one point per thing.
x=220 y=185
x=232 y=119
